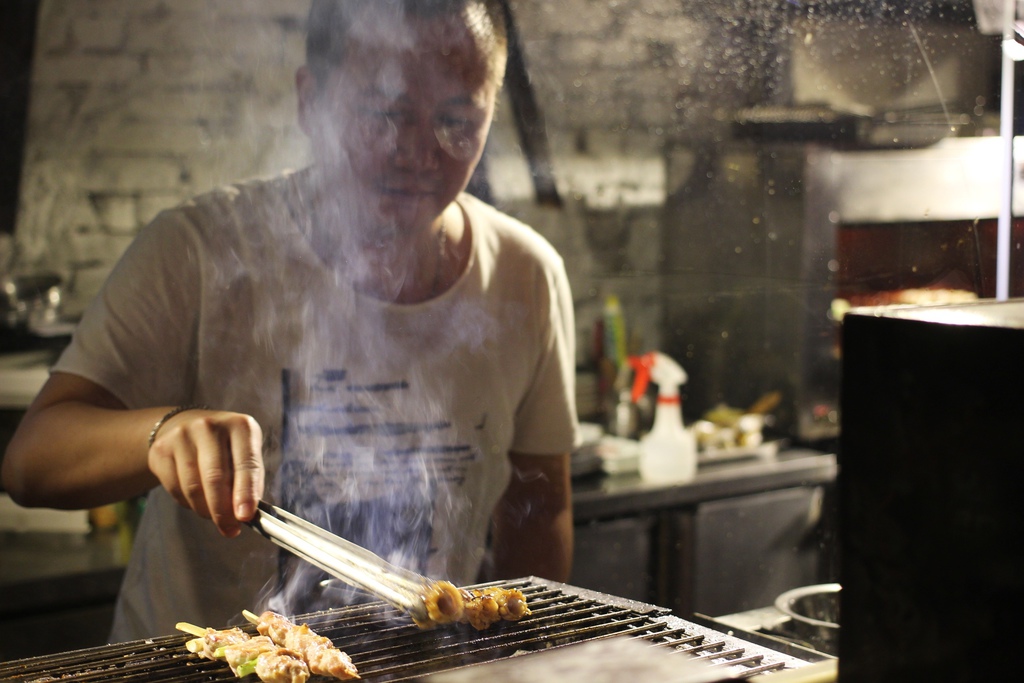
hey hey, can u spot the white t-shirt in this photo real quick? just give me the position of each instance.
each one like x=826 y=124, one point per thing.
x=388 y=424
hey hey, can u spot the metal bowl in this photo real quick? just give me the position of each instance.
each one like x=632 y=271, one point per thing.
x=25 y=299
x=814 y=611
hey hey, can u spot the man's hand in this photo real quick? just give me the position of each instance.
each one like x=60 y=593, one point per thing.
x=211 y=462
x=79 y=447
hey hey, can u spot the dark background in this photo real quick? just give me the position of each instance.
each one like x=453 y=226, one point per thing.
x=17 y=38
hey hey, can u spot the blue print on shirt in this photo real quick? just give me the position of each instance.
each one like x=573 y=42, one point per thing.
x=369 y=461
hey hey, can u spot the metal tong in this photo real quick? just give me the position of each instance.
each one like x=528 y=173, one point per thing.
x=343 y=559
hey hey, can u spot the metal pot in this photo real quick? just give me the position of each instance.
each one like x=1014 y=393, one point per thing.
x=814 y=611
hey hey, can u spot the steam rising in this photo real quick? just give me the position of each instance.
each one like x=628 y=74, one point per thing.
x=369 y=449
x=373 y=444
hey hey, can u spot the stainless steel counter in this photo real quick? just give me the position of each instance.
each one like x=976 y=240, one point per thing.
x=628 y=494
x=733 y=538
x=57 y=590
x=45 y=570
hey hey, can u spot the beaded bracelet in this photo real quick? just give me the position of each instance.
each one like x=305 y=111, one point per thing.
x=168 y=416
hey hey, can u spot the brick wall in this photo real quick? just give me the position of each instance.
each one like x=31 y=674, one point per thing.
x=139 y=104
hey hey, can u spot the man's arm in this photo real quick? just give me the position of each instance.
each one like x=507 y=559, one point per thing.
x=78 y=447
x=533 y=532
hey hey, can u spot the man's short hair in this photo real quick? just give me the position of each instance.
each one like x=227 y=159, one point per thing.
x=329 y=24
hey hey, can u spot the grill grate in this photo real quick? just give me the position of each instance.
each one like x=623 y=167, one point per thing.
x=386 y=646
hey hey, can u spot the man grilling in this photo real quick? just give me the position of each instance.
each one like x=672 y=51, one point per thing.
x=360 y=342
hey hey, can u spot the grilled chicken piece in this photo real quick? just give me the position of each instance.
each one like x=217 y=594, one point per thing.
x=319 y=652
x=481 y=611
x=479 y=607
x=444 y=604
x=323 y=658
x=486 y=606
x=242 y=655
x=281 y=666
x=213 y=640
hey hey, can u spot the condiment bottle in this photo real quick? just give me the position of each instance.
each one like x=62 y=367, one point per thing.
x=668 y=453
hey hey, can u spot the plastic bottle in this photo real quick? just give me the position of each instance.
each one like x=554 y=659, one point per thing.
x=614 y=332
x=623 y=415
x=668 y=453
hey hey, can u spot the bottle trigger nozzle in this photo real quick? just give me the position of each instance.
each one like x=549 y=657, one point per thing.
x=641 y=374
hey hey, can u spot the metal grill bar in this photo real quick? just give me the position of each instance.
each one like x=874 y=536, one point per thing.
x=386 y=646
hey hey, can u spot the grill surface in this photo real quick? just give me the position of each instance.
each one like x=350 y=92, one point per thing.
x=386 y=646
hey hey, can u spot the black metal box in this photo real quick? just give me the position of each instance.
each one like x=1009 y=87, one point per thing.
x=931 y=483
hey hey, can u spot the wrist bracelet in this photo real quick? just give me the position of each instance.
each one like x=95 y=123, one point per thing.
x=168 y=416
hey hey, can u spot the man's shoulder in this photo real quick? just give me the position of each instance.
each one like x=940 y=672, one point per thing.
x=506 y=232
x=490 y=217
x=251 y=194
x=239 y=210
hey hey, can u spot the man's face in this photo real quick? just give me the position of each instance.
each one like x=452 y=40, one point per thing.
x=400 y=124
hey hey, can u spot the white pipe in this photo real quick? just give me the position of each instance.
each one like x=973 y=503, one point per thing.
x=1003 y=232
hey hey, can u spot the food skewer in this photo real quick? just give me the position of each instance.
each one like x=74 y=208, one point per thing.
x=319 y=653
x=305 y=653
x=246 y=655
x=486 y=606
x=286 y=652
x=208 y=642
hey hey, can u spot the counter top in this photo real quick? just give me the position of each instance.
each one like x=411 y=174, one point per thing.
x=43 y=571
x=621 y=494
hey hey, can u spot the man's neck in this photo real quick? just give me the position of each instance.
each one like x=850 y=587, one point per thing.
x=396 y=267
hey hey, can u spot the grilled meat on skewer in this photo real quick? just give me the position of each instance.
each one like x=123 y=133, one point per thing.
x=480 y=607
x=486 y=606
x=444 y=604
x=242 y=657
x=246 y=655
x=281 y=665
x=323 y=658
x=209 y=641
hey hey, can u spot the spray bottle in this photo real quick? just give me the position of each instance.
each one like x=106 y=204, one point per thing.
x=668 y=453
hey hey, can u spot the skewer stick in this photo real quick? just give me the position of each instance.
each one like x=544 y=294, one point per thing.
x=191 y=629
x=197 y=644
